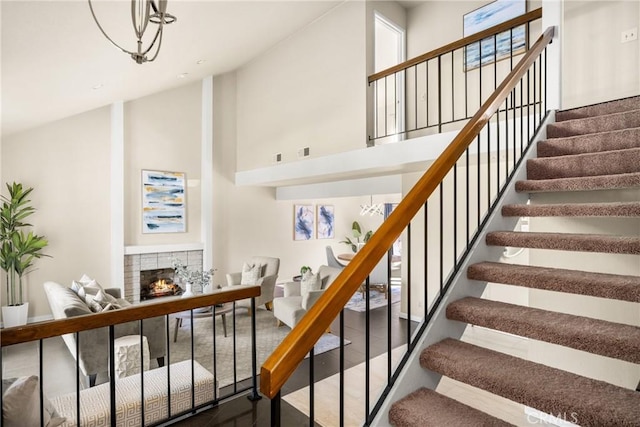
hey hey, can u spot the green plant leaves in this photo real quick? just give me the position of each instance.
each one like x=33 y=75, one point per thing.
x=18 y=250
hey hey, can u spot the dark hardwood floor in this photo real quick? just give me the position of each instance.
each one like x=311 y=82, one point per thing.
x=243 y=412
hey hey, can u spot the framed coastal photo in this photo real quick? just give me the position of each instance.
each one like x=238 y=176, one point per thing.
x=326 y=222
x=163 y=202
x=486 y=17
x=303 y=222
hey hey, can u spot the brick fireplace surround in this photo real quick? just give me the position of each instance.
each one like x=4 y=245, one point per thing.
x=136 y=262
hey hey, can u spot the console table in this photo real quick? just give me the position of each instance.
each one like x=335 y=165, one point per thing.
x=220 y=311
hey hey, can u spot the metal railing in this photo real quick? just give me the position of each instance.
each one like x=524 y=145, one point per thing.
x=440 y=219
x=440 y=90
x=80 y=326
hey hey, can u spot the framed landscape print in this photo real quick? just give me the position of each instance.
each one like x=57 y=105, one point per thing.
x=163 y=202
x=303 y=222
x=486 y=17
x=326 y=222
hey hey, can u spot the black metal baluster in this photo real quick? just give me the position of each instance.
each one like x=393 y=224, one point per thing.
x=235 y=371
x=498 y=151
x=453 y=98
x=141 y=373
x=376 y=123
x=478 y=189
x=466 y=83
x=386 y=131
x=215 y=361
x=408 y=257
x=77 y=378
x=439 y=93
x=168 y=364
x=275 y=410
x=426 y=83
x=489 y=164
x=312 y=381
x=41 y=375
x=441 y=240
x=342 y=368
x=521 y=116
x=367 y=353
x=455 y=215
x=415 y=98
x=193 y=352
x=467 y=201
x=112 y=375
x=254 y=357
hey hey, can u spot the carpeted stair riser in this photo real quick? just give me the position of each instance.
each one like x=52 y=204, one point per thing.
x=609 y=339
x=589 y=183
x=590 y=164
x=611 y=286
x=593 y=402
x=566 y=242
x=610 y=122
x=426 y=408
x=630 y=209
x=588 y=148
x=592 y=143
x=604 y=108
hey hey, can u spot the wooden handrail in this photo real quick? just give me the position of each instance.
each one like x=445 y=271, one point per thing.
x=497 y=29
x=287 y=356
x=54 y=328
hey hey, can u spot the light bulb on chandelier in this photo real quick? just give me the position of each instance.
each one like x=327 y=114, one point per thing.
x=141 y=16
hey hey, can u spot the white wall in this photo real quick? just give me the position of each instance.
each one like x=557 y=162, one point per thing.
x=308 y=91
x=614 y=371
x=67 y=164
x=597 y=66
x=162 y=132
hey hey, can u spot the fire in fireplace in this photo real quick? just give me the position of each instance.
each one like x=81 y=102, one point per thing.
x=158 y=283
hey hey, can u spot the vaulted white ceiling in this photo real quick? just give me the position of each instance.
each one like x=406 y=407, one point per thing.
x=53 y=54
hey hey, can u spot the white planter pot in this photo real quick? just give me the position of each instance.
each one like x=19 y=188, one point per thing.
x=15 y=315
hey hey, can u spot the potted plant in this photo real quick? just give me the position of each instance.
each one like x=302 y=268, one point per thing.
x=356 y=231
x=18 y=250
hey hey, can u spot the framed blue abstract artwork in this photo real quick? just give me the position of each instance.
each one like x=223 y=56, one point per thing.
x=493 y=49
x=303 y=222
x=163 y=202
x=326 y=221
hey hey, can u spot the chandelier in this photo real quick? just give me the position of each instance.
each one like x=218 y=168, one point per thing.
x=141 y=16
x=371 y=208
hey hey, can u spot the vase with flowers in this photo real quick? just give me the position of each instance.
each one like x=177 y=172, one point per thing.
x=193 y=281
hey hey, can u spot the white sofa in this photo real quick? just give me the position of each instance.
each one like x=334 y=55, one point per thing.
x=290 y=308
x=94 y=344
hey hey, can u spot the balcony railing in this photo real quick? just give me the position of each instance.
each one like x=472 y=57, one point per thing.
x=175 y=389
x=441 y=90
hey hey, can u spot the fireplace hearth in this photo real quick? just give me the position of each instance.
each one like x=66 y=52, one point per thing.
x=158 y=283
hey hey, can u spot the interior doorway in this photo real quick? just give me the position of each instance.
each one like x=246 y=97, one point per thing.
x=389 y=50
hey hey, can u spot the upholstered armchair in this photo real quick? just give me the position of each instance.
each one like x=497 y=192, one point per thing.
x=259 y=270
x=295 y=303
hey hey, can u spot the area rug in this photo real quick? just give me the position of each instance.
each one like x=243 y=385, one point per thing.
x=269 y=335
x=376 y=299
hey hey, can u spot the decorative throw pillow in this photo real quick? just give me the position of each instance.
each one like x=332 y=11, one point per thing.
x=250 y=274
x=21 y=405
x=87 y=287
x=104 y=299
x=310 y=282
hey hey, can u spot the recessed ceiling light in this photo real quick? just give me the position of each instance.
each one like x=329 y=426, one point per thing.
x=98 y=86
x=201 y=61
x=182 y=75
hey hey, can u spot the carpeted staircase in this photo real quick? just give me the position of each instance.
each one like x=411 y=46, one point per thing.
x=590 y=148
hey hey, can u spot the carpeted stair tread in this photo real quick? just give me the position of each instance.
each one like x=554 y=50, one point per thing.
x=550 y=390
x=595 y=336
x=601 y=285
x=592 y=143
x=614 y=209
x=426 y=408
x=603 y=108
x=588 y=164
x=604 y=123
x=589 y=183
x=566 y=241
